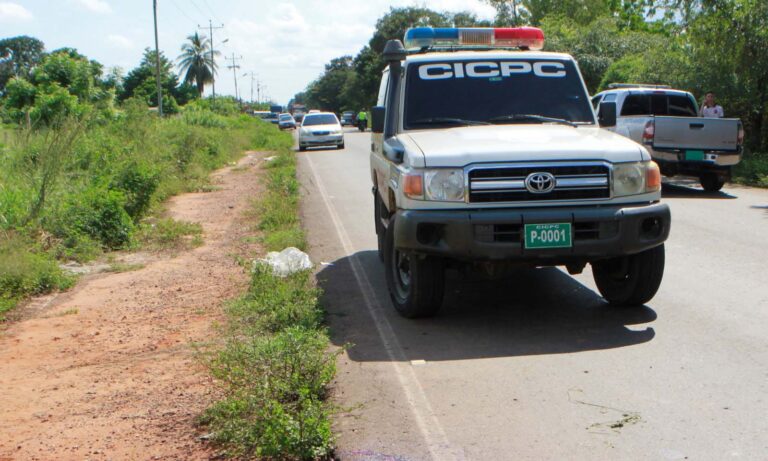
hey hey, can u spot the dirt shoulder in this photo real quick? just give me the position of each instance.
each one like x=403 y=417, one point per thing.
x=107 y=371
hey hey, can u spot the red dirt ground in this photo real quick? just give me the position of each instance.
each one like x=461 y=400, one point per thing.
x=107 y=370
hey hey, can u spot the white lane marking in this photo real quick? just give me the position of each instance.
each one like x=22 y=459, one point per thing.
x=429 y=426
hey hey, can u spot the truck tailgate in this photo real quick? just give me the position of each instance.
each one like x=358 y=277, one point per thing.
x=718 y=134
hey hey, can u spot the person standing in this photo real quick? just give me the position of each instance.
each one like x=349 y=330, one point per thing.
x=710 y=109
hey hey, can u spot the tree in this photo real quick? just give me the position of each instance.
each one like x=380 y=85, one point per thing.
x=18 y=56
x=140 y=83
x=196 y=62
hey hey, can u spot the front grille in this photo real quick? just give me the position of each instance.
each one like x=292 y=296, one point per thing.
x=321 y=133
x=513 y=233
x=507 y=183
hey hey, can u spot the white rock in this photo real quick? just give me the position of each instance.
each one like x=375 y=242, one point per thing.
x=286 y=262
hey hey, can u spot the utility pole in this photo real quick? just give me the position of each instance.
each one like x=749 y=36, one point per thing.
x=157 y=63
x=234 y=68
x=213 y=63
x=253 y=77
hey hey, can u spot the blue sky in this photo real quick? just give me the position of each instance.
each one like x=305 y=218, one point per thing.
x=286 y=43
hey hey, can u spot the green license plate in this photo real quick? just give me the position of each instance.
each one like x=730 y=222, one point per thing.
x=694 y=155
x=554 y=235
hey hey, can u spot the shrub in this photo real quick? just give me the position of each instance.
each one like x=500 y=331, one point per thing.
x=138 y=182
x=24 y=272
x=99 y=214
x=276 y=385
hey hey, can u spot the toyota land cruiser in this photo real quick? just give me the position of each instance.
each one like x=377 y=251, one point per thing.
x=487 y=152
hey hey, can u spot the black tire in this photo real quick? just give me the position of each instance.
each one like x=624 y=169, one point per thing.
x=630 y=280
x=340 y=146
x=421 y=294
x=711 y=182
x=302 y=148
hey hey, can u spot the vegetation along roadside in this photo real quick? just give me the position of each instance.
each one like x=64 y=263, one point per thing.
x=274 y=365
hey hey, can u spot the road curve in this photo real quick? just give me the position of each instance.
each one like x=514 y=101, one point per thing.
x=537 y=366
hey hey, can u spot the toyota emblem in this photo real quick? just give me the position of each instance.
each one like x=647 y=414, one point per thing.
x=540 y=183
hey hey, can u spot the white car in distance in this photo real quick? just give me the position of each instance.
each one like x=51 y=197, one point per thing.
x=320 y=129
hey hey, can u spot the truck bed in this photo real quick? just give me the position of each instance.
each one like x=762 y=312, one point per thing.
x=695 y=133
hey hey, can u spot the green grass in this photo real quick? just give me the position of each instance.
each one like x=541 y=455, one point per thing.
x=90 y=185
x=169 y=234
x=274 y=365
x=278 y=210
x=753 y=170
x=26 y=271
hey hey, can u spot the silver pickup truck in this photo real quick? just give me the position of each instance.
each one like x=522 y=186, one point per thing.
x=666 y=121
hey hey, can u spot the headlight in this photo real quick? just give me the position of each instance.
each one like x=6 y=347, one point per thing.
x=635 y=178
x=444 y=185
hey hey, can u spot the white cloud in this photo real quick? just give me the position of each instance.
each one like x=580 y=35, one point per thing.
x=10 y=12
x=121 y=41
x=96 y=6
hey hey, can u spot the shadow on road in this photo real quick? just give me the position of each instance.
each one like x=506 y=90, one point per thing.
x=542 y=311
x=685 y=188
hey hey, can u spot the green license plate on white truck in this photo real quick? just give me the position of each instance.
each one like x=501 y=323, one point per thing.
x=551 y=235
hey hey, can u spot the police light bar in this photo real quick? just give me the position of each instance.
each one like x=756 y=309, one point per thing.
x=420 y=38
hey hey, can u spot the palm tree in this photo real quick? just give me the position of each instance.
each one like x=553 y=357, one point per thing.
x=196 y=62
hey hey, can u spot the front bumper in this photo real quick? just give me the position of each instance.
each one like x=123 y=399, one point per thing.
x=328 y=140
x=497 y=234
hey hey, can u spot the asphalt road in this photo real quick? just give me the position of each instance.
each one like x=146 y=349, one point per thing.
x=537 y=366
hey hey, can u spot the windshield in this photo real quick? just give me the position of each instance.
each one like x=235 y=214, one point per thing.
x=285 y=117
x=320 y=119
x=495 y=91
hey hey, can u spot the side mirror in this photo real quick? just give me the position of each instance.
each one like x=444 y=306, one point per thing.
x=378 y=113
x=607 y=114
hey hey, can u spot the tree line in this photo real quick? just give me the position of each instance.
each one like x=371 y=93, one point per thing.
x=693 y=45
x=38 y=86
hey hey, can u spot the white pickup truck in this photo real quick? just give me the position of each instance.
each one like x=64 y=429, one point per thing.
x=666 y=121
x=488 y=154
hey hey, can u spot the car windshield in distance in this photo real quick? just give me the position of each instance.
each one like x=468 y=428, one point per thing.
x=494 y=90
x=320 y=119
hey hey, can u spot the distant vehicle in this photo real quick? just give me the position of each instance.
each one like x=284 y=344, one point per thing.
x=667 y=123
x=320 y=129
x=263 y=114
x=348 y=118
x=315 y=111
x=298 y=116
x=286 y=121
x=276 y=109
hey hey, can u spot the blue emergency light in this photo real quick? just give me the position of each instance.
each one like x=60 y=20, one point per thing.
x=420 y=38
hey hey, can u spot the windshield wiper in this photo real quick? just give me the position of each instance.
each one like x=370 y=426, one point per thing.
x=446 y=120
x=512 y=118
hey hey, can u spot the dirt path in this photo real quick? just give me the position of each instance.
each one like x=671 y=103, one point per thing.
x=106 y=370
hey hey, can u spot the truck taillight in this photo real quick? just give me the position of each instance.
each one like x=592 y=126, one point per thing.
x=648 y=131
x=740 y=138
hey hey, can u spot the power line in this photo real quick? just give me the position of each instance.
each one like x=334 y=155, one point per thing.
x=198 y=8
x=184 y=13
x=211 y=10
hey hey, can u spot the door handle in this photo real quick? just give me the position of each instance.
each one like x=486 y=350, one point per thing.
x=696 y=126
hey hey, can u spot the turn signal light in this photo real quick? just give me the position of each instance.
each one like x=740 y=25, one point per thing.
x=413 y=185
x=652 y=178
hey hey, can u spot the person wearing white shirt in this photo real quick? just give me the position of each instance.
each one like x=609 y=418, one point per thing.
x=710 y=109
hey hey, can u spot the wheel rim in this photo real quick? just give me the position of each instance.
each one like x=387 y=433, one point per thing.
x=401 y=269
